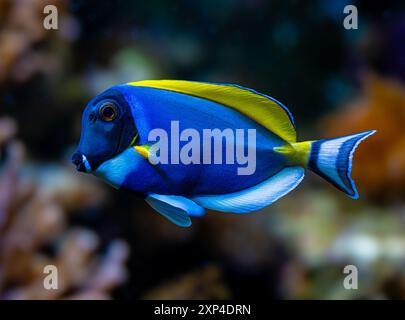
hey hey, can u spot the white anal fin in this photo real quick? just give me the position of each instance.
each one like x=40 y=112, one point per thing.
x=175 y=208
x=256 y=197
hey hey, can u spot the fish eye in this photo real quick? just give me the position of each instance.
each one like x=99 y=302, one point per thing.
x=108 y=111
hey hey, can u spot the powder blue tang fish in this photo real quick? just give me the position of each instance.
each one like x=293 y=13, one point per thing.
x=115 y=146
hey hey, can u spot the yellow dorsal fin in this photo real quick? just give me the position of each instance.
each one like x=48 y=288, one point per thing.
x=262 y=109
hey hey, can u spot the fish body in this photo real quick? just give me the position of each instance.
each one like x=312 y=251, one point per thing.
x=159 y=109
x=116 y=146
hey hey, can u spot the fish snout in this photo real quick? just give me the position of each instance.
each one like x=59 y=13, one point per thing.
x=81 y=163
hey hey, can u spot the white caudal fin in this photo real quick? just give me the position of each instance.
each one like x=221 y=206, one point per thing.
x=332 y=160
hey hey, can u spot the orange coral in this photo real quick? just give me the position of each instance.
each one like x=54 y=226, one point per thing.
x=22 y=29
x=33 y=214
x=379 y=165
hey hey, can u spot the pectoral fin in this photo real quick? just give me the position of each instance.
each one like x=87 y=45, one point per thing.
x=175 y=208
x=143 y=151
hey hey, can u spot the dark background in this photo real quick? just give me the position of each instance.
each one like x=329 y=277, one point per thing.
x=334 y=81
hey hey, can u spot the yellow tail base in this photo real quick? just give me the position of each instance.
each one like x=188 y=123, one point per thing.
x=297 y=153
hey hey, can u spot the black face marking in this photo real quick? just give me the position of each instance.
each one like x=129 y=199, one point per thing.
x=108 y=128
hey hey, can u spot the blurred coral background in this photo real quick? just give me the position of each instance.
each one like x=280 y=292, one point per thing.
x=109 y=244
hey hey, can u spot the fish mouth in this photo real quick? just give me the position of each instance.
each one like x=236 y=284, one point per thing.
x=81 y=162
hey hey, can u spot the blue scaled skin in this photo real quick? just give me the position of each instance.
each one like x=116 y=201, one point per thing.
x=158 y=108
x=114 y=146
